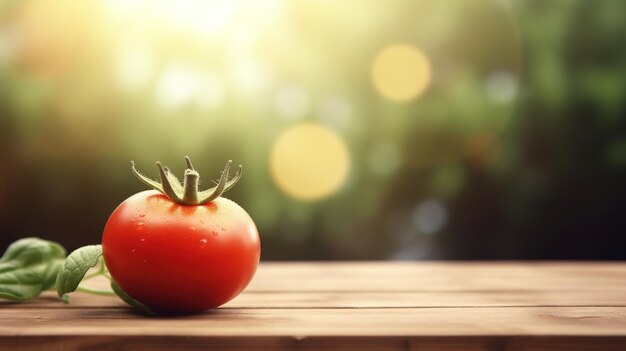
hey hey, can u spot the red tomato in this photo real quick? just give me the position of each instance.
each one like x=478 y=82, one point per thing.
x=180 y=258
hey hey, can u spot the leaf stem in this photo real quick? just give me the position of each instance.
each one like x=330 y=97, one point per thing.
x=101 y=270
x=89 y=290
x=92 y=275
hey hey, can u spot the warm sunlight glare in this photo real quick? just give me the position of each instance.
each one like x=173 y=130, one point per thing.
x=401 y=72
x=309 y=162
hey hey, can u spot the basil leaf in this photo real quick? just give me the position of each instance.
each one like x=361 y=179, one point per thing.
x=129 y=300
x=76 y=266
x=28 y=267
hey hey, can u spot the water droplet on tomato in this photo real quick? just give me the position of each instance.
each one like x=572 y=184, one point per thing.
x=133 y=250
x=193 y=228
x=143 y=239
x=203 y=241
x=144 y=261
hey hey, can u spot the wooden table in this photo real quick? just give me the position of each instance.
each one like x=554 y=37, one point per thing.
x=357 y=306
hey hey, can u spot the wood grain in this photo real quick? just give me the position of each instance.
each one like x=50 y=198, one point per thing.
x=356 y=306
x=437 y=277
x=366 y=299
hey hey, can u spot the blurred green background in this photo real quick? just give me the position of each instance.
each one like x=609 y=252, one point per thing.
x=426 y=129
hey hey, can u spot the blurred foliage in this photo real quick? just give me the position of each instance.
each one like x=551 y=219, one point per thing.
x=486 y=129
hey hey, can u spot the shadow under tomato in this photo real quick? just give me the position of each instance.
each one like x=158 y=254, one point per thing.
x=216 y=313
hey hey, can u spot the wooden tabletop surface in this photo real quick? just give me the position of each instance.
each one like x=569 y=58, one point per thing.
x=356 y=306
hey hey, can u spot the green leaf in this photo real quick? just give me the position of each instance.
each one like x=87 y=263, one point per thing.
x=28 y=267
x=76 y=266
x=129 y=300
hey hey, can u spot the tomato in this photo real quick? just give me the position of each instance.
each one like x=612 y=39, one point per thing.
x=178 y=257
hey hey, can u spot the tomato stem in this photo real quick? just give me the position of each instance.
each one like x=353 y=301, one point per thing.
x=187 y=193
x=190 y=183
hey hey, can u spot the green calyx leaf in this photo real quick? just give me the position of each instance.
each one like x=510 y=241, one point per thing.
x=75 y=267
x=187 y=192
x=28 y=267
x=129 y=300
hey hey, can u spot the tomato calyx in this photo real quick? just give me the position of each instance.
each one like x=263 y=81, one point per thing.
x=187 y=193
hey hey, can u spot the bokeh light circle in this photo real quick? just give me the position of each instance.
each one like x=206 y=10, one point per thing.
x=401 y=72
x=309 y=162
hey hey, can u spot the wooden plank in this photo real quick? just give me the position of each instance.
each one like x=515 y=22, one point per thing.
x=106 y=343
x=355 y=299
x=471 y=321
x=357 y=306
x=429 y=299
x=460 y=268
x=332 y=285
x=434 y=277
